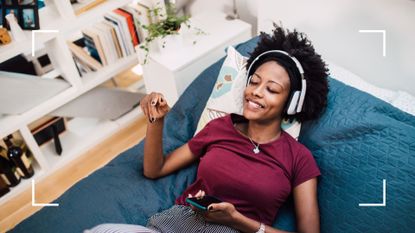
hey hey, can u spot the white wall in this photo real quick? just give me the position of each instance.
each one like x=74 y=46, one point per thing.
x=247 y=9
x=333 y=28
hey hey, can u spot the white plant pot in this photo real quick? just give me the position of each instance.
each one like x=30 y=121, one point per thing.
x=170 y=43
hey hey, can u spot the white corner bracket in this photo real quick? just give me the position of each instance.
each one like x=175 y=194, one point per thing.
x=383 y=38
x=384 y=198
x=33 y=37
x=40 y=204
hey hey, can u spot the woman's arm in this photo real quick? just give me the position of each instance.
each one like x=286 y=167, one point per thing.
x=306 y=207
x=155 y=107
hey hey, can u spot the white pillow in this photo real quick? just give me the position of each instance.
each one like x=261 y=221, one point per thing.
x=399 y=99
x=405 y=102
x=227 y=94
x=351 y=79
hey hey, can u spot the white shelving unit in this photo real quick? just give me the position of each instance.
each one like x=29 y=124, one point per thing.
x=81 y=133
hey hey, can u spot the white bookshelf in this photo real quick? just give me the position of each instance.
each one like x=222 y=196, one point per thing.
x=81 y=133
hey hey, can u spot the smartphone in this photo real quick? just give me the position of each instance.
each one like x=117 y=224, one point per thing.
x=202 y=203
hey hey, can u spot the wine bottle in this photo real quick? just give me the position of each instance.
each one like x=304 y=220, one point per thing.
x=8 y=172
x=19 y=158
x=4 y=188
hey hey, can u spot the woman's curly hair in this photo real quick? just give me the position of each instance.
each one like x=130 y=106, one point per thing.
x=315 y=71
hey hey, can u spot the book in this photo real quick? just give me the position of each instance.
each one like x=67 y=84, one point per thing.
x=117 y=29
x=94 y=45
x=137 y=26
x=108 y=43
x=114 y=38
x=121 y=22
x=83 y=56
x=130 y=23
x=104 y=43
x=143 y=16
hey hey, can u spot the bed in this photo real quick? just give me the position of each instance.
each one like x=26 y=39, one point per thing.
x=358 y=142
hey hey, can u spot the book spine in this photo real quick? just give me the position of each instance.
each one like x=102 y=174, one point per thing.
x=129 y=24
x=89 y=43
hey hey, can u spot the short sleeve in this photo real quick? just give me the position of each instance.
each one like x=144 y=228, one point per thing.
x=305 y=167
x=199 y=143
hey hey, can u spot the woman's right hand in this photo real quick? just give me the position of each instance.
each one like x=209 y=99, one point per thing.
x=154 y=106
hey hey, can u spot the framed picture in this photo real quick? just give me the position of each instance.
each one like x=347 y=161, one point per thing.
x=25 y=11
x=29 y=18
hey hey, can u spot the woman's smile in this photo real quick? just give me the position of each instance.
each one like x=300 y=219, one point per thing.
x=254 y=105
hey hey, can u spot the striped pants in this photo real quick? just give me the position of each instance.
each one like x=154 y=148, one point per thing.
x=177 y=219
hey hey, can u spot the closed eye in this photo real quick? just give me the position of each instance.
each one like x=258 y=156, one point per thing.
x=272 y=91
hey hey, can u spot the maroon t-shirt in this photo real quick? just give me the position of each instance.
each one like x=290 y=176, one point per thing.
x=256 y=184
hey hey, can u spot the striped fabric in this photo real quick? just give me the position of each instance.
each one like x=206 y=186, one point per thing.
x=177 y=219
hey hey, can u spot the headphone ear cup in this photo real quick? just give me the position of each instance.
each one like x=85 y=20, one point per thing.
x=292 y=106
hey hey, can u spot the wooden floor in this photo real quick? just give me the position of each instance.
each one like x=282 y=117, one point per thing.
x=47 y=190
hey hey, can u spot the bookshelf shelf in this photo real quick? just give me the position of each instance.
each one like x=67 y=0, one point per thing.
x=77 y=139
x=96 y=78
x=11 y=123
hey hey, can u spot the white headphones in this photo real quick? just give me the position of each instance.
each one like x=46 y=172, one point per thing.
x=297 y=97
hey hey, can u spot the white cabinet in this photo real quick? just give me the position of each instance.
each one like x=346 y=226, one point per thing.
x=170 y=72
x=81 y=133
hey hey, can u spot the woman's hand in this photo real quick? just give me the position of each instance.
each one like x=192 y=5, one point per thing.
x=154 y=106
x=221 y=213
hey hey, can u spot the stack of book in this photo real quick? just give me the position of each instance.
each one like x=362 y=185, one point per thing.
x=112 y=39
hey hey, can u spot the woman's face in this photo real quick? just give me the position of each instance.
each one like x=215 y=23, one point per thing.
x=266 y=93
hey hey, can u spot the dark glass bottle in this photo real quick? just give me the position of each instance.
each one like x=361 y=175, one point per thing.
x=20 y=158
x=4 y=188
x=8 y=172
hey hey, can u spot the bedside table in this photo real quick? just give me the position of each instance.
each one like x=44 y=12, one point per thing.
x=171 y=71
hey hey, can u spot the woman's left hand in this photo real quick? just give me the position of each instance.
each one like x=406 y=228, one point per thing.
x=221 y=213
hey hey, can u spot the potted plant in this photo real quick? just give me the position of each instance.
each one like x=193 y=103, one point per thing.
x=168 y=25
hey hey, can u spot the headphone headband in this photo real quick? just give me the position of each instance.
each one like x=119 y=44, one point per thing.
x=297 y=63
x=297 y=98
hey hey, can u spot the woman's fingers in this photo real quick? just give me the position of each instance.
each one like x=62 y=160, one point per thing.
x=154 y=106
x=200 y=194
x=144 y=106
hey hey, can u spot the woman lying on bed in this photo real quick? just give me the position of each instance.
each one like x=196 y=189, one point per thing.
x=248 y=161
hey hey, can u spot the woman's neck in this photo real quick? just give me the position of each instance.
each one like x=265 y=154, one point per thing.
x=262 y=132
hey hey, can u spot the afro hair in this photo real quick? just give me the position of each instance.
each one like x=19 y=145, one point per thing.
x=315 y=70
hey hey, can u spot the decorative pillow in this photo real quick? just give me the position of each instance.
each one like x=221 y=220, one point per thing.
x=351 y=79
x=227 y=93
x=405 y=102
